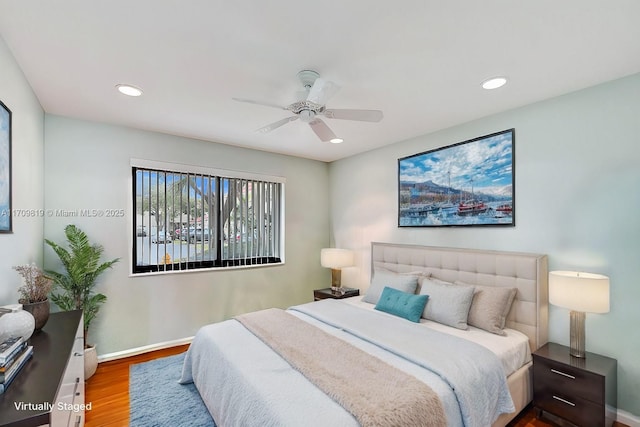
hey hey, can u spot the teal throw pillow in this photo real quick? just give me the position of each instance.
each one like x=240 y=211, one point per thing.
x=402 y=304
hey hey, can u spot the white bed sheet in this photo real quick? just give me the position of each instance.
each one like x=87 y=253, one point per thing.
x=262 y=390
x=437 y=384
x=276 y=390
x=512 y=349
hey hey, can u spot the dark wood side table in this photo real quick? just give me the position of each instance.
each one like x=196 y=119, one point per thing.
x=325 y=293
x=582 y=391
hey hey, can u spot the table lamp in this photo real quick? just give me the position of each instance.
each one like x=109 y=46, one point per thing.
x=581 y=293
x=336 y=259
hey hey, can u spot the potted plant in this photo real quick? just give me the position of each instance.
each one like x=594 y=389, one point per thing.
x=74 y=288
x=34 y=293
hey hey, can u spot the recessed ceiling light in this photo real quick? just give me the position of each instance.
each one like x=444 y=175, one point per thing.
x=129 y=90
x=336 y=140
x=494 y=82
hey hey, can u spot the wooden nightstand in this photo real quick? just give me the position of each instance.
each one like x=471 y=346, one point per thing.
x=581 y=391
x=319 y=294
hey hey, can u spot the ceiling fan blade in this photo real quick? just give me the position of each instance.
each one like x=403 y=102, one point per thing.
x=321 y=91
x=322 y=130
x=276 y=125
x=267 y=104
x=360 y=115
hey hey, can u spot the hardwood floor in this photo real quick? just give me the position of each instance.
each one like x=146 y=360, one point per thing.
x=108 y=391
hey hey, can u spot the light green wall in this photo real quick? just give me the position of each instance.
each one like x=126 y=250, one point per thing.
x=88 y=167
x=24 y=245
x=577 y=167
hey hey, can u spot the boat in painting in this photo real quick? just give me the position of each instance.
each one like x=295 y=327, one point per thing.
x=472 y=207
x=506 y=209
x=417 y=211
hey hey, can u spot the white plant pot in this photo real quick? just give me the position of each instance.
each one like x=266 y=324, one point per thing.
x=90 y=362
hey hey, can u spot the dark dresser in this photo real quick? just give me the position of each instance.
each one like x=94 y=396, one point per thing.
x=53 y=377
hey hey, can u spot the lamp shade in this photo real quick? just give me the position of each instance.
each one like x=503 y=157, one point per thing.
x=585 y=292
x=336 y=258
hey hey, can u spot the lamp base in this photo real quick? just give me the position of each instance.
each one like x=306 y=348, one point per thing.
x=577 y=334
x=335 y=280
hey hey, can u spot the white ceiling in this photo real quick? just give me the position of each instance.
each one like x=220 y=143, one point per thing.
x=419 y=61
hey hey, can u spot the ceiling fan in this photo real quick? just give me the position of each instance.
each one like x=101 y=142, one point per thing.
x=311 y=106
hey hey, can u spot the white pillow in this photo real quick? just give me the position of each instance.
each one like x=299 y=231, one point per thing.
x=448 y=303
x=381 y=278
x=490 y=307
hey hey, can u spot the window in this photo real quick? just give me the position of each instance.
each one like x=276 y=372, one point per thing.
x=190 y=218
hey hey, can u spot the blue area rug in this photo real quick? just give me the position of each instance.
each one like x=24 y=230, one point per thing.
x=157 y=400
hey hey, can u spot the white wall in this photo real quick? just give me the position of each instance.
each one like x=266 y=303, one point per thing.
x=577 y=167
x=24 y=245
x=88 y=167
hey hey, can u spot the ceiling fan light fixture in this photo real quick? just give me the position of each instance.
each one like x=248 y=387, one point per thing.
x=129 y=90
x=307 y=115
x=336 y=140
x=494 y=83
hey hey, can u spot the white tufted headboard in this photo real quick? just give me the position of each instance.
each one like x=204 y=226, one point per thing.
x=524 y=271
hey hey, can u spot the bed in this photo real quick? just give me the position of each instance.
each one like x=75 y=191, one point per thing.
x=246 y=379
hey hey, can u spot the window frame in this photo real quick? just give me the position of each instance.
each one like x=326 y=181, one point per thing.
x=218 y=263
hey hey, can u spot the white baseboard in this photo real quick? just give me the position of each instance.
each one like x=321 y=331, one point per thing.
x=145 y=349
x=627 y=418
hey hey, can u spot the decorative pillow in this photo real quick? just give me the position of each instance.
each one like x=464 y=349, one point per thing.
x=402 y=304
x=382 y=278
x=490 y=307
x=448 y=303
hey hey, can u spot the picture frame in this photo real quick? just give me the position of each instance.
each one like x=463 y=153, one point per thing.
x=470 y=183
x=5 y=169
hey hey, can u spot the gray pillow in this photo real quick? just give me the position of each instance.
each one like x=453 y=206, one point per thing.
x=382 y=278
x=448 y=303
x=490 y=307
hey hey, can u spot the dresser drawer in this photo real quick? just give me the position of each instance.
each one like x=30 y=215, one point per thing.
x=571 y=381
x=576 y=410
x=68 y=409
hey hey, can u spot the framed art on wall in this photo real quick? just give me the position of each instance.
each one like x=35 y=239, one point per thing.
x=470 y=183
x=5 y=169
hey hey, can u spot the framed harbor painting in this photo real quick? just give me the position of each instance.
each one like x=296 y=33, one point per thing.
x=5 y=169
x=470 y=183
